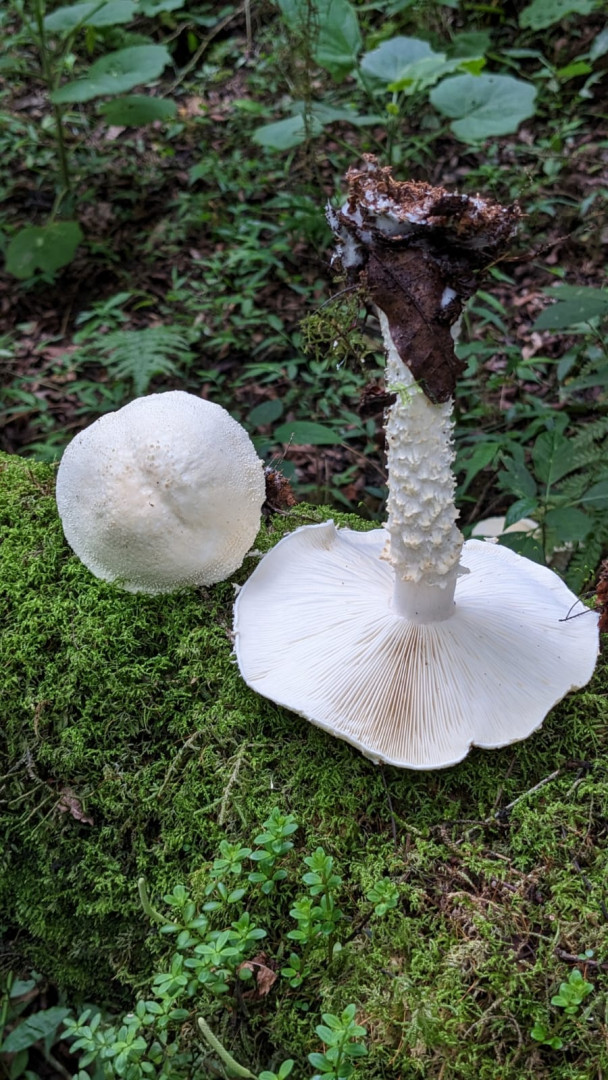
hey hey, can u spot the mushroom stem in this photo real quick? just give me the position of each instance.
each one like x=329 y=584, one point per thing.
x=424 y=542
x=423 y=603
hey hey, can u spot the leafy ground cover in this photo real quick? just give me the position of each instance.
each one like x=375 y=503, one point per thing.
x=203 y=244
x=168 y=233
x=450 y=908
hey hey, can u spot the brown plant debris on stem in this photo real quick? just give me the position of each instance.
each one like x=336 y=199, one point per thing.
x=419 y=251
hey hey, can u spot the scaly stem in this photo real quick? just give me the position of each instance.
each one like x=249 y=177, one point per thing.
x=424 y=543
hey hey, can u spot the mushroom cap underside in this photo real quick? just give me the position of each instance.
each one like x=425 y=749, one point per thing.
x=165 y=492
x=315 y=631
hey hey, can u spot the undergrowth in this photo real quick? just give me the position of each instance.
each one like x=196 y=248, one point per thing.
x=131 y=748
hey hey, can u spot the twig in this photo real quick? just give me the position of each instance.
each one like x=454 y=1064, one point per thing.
x=570 y=958
x=176 y=760
x=505 y=809
x=194 y=59
x=221 y=817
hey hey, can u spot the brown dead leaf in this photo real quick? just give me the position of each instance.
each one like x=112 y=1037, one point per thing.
x=70 y=804
x=265 y=977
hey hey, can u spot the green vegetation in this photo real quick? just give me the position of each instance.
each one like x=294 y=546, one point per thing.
x=448 y=908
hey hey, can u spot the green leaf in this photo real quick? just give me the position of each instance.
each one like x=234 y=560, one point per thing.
x=339 y=40
x=483 y=455
x=521 y=509
x=525 y=545
x=553 y=456
x=599 y=46
x=543 y=13
x=516 y=478
x=39 y=1026
x=42 y=247
x=470 y=43
x=137 y=109
x=154 y=7
x=115 y=73
x=112 y=13
x=295 y=13
x=574 y=304
x=568 y=524
x=287 y=133
x=597 y=496
x=265 y=413
x=392 y=58
x=425 y=72
x=484 y=105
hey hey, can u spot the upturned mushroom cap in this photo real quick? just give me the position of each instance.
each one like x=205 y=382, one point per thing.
x=165 y=492
x=316 y=632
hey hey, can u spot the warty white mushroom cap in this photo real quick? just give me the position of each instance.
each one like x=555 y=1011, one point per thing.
x=315 y=631
x=165 y=492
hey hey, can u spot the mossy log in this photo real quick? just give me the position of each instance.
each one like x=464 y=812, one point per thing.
x=130 y=747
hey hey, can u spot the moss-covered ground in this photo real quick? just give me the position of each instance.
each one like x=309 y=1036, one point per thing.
x=131 y=747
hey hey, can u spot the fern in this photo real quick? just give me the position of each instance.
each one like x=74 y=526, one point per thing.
x=139 y=355
x=584 y=561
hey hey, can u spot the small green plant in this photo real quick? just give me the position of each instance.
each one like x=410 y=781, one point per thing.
x=57 y=36
x=565 y=488
x=340 y=1035
x=19 y=1034
x=395 y=78
x=570 y=997
x=214 y=952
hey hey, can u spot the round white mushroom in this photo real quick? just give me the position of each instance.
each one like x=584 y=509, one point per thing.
x=163 y=493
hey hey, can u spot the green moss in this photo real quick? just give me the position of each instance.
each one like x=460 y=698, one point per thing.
x=130 y=747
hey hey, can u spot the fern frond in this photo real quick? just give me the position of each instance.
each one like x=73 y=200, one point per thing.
x=139 y=355
x=584 y=562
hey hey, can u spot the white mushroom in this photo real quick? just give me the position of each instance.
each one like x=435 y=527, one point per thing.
x=493 y=528
x=165 y=492
x=412 y=647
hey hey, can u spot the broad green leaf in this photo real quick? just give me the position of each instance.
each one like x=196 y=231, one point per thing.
x=266 y=413
x=553 y=457
x=599 y=45
x=574 y=304
x=516 y=478
x=391 y=59
x=137 y=109
x=307 y=433
x=484 y=105
x=92 y=13
x=22 y=986
x=425 y=72
x=296 y=13
x=523 y=508
x=115 y=73
x=543 y=13
x=38 y=1026
x=326 y=114
x=524 y=544
x=154 y=7
x=597 y=496
x=482 y=456
x=45 y=247
x=339 y=41
x=471 y=43
x=285 y=134
x=568 y=524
